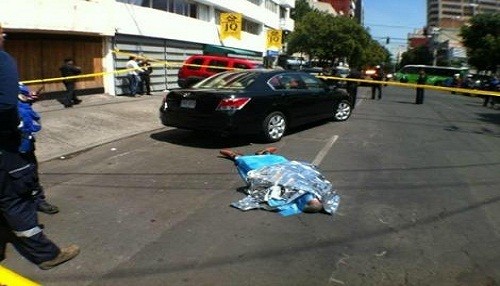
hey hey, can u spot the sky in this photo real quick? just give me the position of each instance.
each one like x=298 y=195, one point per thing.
x=394 y=19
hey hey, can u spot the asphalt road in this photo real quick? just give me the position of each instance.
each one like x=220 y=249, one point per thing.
x=420 y=205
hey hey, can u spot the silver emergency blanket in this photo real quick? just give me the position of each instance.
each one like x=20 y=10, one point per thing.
x=286 y=182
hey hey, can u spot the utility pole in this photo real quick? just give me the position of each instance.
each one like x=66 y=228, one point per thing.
x=434 y=44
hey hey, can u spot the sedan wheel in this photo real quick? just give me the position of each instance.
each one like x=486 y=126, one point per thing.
x=274 y=126
x=343 y=111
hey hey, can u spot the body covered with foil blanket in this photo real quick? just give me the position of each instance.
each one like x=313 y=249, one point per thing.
x=287 y=187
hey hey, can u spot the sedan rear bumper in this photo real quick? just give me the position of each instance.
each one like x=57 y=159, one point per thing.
x=220 y=122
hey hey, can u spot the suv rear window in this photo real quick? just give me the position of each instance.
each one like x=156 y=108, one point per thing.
x=213 y=64
x=195 y=64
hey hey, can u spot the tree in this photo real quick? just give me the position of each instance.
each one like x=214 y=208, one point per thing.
x=416 y=56
x=300 y=10
x=332 y=39
x=482 y=40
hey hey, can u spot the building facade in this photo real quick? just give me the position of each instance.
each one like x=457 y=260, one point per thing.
x=444 y=20
x=346 y=8
x=101 y=34
x=343 y=7
x=455 y=13
x=359 y=14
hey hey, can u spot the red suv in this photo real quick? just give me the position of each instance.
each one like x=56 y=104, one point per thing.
x=198 y=67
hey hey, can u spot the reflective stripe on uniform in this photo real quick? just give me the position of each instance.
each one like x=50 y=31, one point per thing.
x=29 y=232
x=19 y=169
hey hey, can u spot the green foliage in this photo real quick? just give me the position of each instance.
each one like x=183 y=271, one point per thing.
x=416 y=56
x=300 y=10
x=327 y=39
x=482 y=40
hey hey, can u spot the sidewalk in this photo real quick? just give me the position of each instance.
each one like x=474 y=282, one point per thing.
x=99 y=119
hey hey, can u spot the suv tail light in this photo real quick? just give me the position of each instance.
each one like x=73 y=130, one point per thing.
x=233 y=103
x=180 y=73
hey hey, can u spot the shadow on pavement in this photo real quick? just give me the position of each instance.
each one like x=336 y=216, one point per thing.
x=200 y=139
x=211 y=140
x=360 y=235
x=490 y=117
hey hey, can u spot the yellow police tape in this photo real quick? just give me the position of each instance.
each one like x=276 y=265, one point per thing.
x=177 y=65
x=10 y=278
x=411 y=85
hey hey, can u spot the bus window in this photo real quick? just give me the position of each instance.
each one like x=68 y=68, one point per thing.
x=436 y=75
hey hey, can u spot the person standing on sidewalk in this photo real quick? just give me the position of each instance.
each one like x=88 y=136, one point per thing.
x=145 y=84
x=69 y=69
x=29 y=126
x=18 y=210
x=422 y=79
x=133 y=75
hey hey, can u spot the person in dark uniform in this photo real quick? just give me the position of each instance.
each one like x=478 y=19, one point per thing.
x=145 y=75
x=18 y=209
x=422 y=79
x=69 y=69
x=377 y=87
x=352 y=86
x=30 y=125
x=493 y=86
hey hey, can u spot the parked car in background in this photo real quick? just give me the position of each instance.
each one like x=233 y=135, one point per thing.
x=370 y=73
x=343 y=72
x=260 y=102
x=325 y=73
x=296 y=61
x=199 y=67
x=480 y=81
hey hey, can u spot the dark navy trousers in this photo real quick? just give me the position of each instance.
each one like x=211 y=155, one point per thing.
x=18 y=210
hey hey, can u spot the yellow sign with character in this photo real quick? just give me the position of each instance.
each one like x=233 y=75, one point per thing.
x=273 y=39
x=230 y=25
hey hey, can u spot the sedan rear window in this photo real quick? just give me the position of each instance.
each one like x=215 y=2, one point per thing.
x=228 y=80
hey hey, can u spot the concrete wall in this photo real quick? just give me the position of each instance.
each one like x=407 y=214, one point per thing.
x=64 y=16
x=108 y=18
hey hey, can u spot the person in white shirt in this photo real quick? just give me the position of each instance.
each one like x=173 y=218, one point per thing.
x=133 y=75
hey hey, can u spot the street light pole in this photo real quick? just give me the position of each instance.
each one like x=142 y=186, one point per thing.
x=474 y=7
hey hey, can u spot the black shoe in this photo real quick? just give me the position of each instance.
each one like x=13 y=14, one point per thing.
x=47 y=208
x=77 y=101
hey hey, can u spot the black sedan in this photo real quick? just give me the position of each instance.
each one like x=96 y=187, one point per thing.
x=265 y=102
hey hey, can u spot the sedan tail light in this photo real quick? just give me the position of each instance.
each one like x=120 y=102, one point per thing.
x=233 y=103
x=164 y=101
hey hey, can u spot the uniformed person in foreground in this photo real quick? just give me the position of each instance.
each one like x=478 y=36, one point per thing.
x=18 y=208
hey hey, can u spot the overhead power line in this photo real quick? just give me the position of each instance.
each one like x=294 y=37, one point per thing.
x=392 y=38
x=392 y=26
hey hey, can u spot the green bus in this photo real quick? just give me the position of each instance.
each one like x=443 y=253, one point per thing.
x=435 y=75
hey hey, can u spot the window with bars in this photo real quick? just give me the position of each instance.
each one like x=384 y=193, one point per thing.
x=182 y=7
x=271 y=6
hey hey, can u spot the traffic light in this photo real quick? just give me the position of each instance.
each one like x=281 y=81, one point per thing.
x=387 y=40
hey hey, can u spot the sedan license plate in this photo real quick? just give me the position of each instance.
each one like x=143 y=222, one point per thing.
x=187 y=103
